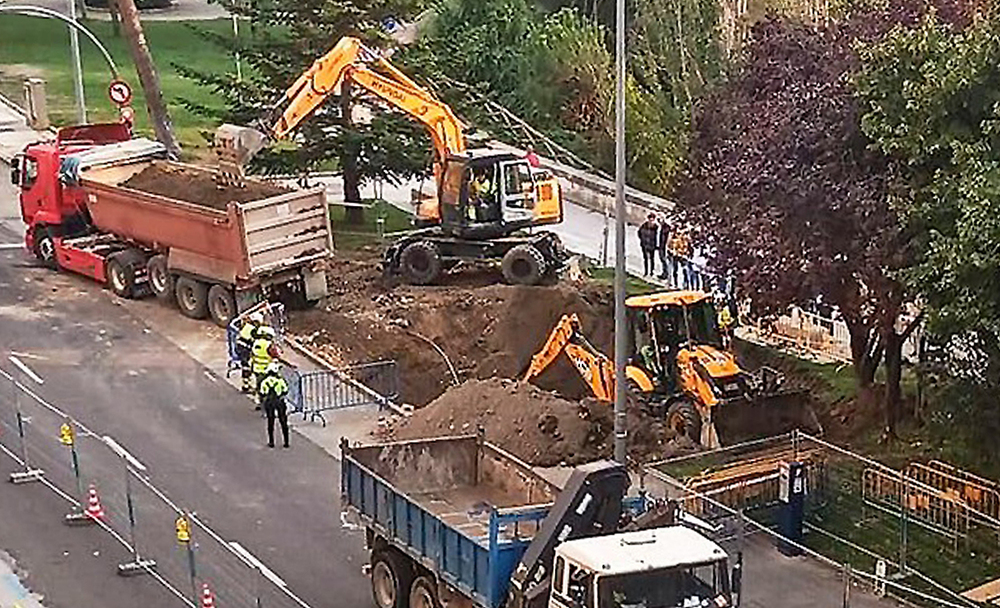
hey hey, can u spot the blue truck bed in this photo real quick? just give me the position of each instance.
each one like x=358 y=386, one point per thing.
x=464 y=509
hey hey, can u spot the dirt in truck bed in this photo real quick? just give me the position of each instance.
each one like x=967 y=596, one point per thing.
x=198 y=187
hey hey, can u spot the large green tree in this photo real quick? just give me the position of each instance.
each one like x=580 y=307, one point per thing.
x=284 y=38
x=932 y=95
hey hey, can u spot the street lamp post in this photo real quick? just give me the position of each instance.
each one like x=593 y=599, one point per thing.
x=74 y=49
x=621 y=340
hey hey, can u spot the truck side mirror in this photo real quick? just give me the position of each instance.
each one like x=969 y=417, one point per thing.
x=15 y=171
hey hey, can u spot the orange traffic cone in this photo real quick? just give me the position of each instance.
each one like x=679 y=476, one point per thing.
x=94 y=508
x=207 y=597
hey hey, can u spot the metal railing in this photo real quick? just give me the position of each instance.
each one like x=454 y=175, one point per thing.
x=107 y=486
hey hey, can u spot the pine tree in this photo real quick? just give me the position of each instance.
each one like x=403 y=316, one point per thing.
x=282 y=38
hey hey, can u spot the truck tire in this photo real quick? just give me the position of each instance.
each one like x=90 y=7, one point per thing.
x=423 y=593
x=391 y=578
x=221 y=305
x=192 y=297
x=161 y=282
x=420 y=263
x=683 y=420
x=120 y=275
x=45 y=247
x=523 y=265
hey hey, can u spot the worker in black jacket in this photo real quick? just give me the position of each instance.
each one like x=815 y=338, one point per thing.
x=647 y=242
x=272 y=390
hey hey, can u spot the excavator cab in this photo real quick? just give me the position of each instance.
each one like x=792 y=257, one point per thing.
x=491 y=193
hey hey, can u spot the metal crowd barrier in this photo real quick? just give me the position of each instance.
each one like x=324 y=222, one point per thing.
x=366 y=384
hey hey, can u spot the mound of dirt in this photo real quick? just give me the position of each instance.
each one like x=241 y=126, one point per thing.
x=198 y=187
x=535 y=425
x=471 y=325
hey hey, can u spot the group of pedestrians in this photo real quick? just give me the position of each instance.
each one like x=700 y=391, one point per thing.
x=260 y=372
x=659 y=238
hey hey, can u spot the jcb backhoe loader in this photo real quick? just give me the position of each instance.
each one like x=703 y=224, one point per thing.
x=677 y=365
x=485 y=197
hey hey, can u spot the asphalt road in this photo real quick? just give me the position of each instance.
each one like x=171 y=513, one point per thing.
x=200 y=439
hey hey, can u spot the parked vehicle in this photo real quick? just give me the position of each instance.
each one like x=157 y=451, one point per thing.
x=458 y=522
x=212 y=261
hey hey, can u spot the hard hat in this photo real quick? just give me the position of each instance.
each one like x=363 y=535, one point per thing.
x=266 y=330
x=273 y=368
x=256 y=318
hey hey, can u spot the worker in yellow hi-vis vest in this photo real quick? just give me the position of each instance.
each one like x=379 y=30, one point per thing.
x=262 y=353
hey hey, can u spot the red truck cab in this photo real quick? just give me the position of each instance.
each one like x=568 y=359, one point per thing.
x=50 y=208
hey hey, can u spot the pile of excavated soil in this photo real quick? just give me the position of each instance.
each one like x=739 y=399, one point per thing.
x=535 y=425
x=198 y=187
x=484 y=329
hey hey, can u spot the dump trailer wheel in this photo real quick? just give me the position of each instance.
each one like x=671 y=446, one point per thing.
x=161 y=282
x=45 y=247
x=391 y=577
x=683 y=420
x=523 y=265
x=423 y=593
x=192 y=297
x=420 y=263
x=221 y=305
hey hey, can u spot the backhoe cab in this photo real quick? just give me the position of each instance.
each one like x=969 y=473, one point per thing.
x=678 y=365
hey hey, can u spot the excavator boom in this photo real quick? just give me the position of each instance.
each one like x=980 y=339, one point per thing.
x=348 y=60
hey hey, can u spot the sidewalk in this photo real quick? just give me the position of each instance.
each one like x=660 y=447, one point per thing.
x=180 y=10
x=14 y=131
x=13 y=593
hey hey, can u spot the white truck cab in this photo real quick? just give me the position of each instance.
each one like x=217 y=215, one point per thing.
x=671 y=567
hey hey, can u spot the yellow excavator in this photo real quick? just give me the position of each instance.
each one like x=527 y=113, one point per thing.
x=678 y=365
x=485 y=198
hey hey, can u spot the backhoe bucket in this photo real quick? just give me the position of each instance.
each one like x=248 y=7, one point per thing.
x=770 y=408
x=235 y=146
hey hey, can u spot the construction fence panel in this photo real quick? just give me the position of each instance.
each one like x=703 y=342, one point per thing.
x=116 y=491
x=366 y=384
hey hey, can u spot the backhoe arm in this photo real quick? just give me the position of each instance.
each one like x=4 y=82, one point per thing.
x=593 y=366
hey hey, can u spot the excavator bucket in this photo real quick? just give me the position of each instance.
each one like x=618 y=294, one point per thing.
x=235 y=146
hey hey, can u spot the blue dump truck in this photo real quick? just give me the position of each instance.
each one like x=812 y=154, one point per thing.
x=458 y=523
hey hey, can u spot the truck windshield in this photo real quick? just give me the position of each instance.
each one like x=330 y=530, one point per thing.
x=688 y=587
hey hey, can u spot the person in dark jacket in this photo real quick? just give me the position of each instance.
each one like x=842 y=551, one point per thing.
x=663 y=234
x=647 y=242
x=272 y=390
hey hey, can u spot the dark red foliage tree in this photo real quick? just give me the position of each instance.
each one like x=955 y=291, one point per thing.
x=784 y=189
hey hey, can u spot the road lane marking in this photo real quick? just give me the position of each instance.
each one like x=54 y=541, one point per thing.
x=11 y=246
x=24 y=368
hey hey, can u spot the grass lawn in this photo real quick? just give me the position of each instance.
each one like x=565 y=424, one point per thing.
x=40 y=47
x=352 y=236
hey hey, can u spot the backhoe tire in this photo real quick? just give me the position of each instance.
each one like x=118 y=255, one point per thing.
x=523 y=265
x=423 y=593
x=192 y=297
x=161 y=281
x=683 y=420
x=391 y=577
x=221 y=305
x=420 y=263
